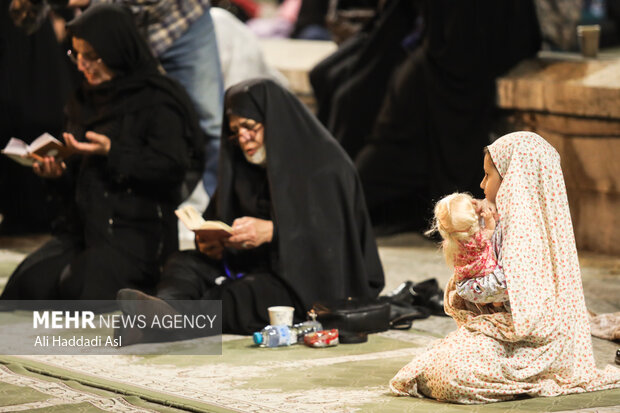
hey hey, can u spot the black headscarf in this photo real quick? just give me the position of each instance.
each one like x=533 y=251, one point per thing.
x=137 y=84
x=111 y=31
x=325 y=241
x=245 y=105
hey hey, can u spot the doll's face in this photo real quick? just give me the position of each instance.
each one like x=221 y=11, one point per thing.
x=491 y=181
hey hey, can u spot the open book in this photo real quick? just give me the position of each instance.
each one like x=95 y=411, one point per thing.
x=206 y=230
x=44 y=145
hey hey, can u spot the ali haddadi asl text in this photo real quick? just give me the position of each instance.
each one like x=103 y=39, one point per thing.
x=75 y=341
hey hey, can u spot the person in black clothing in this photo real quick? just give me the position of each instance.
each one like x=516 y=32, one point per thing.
x=132 y=130
x=301 y=232
x=347 y=106
x=36 y=80
x=440 y=106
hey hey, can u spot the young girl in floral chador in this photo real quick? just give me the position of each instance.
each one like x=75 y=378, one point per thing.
x=542 y=346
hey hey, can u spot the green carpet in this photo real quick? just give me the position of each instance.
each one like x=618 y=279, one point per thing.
x=24 y=390
x=244 y=378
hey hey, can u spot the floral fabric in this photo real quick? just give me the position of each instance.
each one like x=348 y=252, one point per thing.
x=490 y=288
x=475 y=258
x=542 y=348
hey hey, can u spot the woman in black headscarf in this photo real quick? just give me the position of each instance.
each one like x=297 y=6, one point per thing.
x=133 y=130
x=300 y=229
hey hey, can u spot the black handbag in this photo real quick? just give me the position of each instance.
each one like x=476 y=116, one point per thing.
x=354 y=318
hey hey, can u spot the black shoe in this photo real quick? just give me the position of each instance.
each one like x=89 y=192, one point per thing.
x=126 y=336
x=618 y=356
x=135 y=302
x=425 y=294
x=138 y=304
x=401 y=295
x=402 y=318
x=428 y=294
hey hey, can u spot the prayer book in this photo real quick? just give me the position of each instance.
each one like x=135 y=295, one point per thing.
x=206 y=230
x=44 y=145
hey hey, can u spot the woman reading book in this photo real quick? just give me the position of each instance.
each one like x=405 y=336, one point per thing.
x=300 y=230
x=130 y=129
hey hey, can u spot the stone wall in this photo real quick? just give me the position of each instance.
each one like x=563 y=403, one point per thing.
x=575 y=105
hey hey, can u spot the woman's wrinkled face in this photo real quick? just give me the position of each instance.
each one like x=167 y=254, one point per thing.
x=249 y=135
x=491 y=181
x=89 y=63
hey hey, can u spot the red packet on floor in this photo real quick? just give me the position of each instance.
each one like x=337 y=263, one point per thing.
x=323 y=338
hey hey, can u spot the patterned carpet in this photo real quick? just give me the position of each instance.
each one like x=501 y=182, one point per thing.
x=244 y=378
x=346 y=378
x=23 y=390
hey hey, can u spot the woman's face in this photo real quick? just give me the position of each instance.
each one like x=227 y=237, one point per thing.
x=89 y=63
x=492 y=179
x=249 y=135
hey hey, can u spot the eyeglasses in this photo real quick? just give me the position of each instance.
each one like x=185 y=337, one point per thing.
x=87 y=58
x=252 y=128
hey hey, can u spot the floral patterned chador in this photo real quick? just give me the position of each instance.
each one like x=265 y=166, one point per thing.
x=542 y=347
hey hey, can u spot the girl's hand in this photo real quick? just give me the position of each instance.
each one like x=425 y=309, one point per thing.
x=482 y=204
x=212 y=249
x=99 y=144
x=478 y=205
x=249 y=232
x=493 y=209
x=49 y=167
x=489 y=218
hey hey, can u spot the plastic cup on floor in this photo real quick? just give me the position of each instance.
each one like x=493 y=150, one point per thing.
x=281 y=315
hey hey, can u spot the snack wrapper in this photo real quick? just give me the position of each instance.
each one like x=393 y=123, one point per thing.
x=323 y=338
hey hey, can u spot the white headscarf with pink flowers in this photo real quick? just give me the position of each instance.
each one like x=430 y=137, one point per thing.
x=544 y=347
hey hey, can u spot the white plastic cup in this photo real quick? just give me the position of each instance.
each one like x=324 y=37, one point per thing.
x=281 y=315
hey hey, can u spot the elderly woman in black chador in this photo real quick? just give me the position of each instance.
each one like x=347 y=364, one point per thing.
x=300 y=229
x=132 y=130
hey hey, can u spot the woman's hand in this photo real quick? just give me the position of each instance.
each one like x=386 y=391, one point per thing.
x=49 y=167
x=99 y=144
x=212 y=249
x=250 y=232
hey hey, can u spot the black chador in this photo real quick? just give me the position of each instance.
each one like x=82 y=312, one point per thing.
x=322 y=247
x=119 y=224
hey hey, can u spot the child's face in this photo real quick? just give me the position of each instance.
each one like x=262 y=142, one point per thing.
x=491 y=181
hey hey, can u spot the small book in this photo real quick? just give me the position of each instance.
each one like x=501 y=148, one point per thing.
x=206 y=230
x=44 y=145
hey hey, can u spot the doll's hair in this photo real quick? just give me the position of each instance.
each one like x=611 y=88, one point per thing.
x=456 y=221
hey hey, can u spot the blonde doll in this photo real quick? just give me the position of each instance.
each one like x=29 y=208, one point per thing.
x=467 y=245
